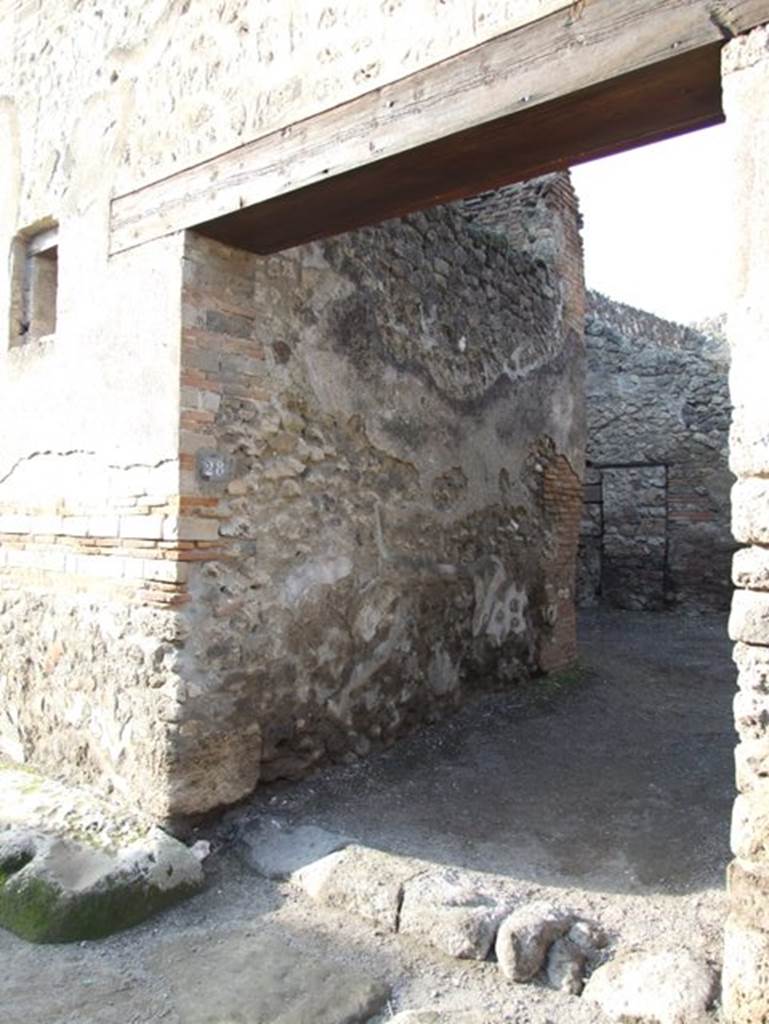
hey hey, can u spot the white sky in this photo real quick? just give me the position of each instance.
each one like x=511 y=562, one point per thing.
x=655 y=226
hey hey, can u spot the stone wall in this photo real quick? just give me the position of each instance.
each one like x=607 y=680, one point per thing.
x=746 y=102
x=393 y=422
x=655 y=530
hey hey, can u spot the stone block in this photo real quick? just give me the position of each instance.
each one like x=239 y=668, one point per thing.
x=75 y=526
x=46 y=525
x=752 y=765
x=565 y=967
x=103 y=526
x=51 y=561
x=525 y=936
x=54 y=889
x=748 y=885
x=141 y=527
x=103 y=566
x=750 y=827
x=190 y=528
x=749 y=432
x=276 y=850
x=164 y=570
x=190 y=398
x=750 y=568
x=14 y=524
x=283 y=468
x=454 y=912
x=364 y=882
x=751 y=714
x=749 y=618
x=750 y=511
x=753 y=665
x=667 y=987
x=745 y=979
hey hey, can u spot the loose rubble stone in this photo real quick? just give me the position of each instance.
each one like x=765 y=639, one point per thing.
x=570 y=956
x=565 y=966
x=276 y=850
x=54 y=889
x=525 y=936
x=670 y=987
x=263 y=980
x=451 y=911
x=588 y=936
x=365 y=882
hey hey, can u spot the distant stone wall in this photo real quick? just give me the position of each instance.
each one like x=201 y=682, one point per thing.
x=396 y=418
x=655 y=530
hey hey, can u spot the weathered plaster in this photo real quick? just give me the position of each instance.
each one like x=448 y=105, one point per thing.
x=398 y=407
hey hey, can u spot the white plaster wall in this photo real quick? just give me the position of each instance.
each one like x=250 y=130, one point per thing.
x=190 y=78
x=103 y=393
x=81 y=412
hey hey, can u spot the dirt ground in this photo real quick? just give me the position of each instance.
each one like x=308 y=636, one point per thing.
x=607 y=789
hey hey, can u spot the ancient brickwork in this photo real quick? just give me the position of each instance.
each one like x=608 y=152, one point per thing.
x=561 y=504
x=88 y=588
x=386 y=429
x=746 y=101
x=655 y=531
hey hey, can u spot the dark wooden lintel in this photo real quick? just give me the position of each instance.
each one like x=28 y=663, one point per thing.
x=643 y=106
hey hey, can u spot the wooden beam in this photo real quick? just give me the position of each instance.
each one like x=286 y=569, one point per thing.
x=508 y=89
x=645 y=106
x=43 y=243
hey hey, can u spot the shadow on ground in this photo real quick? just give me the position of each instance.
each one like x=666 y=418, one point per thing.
x=616 y=777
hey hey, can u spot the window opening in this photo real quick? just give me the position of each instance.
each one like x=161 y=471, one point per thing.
x=36 y=281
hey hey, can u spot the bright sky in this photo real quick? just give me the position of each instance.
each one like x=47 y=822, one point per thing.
x=655 y=226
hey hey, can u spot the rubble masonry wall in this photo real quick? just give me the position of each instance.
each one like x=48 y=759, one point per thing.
x=395 y=418
x=656 y=529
